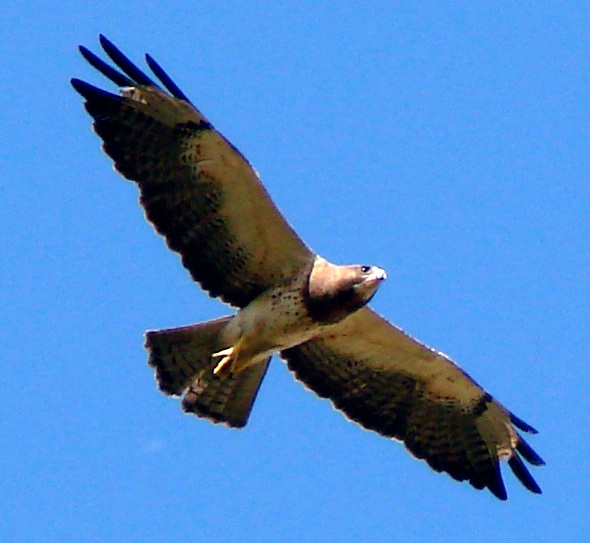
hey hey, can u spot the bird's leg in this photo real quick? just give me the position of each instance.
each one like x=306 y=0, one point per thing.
x=228 y=356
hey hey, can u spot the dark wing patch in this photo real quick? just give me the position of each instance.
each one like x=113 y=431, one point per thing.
x=197 y=190
x=387 y=382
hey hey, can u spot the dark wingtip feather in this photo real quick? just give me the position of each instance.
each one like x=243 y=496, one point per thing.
x=496 y=485
x=523 y=474
x=116 y=77
x=89 y=91
x=528 y=453
x=499 y=492
x=522 y=425
x=81 y=87
x=165 y=79
x=124 y=63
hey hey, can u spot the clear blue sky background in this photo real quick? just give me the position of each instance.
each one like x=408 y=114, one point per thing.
x=447 y=142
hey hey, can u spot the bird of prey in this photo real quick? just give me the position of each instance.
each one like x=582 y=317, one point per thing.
x=206 y=200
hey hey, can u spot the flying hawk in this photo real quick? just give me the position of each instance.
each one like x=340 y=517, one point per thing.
x=203 y=196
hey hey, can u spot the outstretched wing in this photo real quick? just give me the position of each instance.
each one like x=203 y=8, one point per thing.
x=197 y=189
x=388 y=382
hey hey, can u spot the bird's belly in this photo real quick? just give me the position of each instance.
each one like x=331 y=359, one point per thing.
x=270 y=324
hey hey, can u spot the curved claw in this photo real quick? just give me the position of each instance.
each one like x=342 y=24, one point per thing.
x=228 y=356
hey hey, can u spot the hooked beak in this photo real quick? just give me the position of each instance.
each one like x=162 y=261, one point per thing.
x=379 y=274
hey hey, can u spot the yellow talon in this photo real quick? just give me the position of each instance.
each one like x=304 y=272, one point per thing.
x=228 y=356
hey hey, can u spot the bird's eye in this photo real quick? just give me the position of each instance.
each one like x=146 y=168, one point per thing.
x=365 y=269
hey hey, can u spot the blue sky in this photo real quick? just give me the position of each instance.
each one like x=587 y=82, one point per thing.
x=447 y=142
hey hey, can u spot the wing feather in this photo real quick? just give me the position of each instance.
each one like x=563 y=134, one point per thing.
x=166 y=80
x=197 y=189
x=138 y=76
x=388 y=382
x=105 y=69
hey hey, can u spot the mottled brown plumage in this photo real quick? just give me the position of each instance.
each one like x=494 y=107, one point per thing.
x=201 y=194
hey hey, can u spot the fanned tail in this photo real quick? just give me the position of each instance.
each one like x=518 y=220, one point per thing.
x=183 y=364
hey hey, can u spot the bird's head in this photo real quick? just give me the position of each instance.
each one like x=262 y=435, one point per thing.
x=337 y=291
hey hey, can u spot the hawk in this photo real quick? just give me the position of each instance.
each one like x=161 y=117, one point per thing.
x=206 y=200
